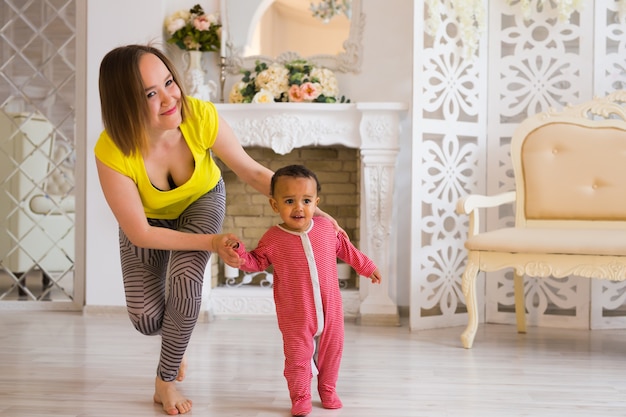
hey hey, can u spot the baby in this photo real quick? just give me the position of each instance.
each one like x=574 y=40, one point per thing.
x=304 y=252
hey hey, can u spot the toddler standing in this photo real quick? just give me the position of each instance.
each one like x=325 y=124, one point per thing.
x=304 y=252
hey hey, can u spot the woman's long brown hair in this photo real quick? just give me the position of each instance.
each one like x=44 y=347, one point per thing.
x=123 y=99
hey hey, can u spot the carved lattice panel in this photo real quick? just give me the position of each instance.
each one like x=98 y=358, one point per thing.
x=446 y=164
x=448 y=144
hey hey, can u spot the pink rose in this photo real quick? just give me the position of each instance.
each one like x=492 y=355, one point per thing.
x=309 y=91
x=201 y=23
x=295 y=93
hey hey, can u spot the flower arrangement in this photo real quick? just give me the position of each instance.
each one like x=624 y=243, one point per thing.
x=194 y=30
x=295 y=82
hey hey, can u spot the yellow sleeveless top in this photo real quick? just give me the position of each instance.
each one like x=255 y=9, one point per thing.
x=200 y=131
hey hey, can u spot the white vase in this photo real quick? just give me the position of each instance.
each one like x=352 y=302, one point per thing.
x=195 y=77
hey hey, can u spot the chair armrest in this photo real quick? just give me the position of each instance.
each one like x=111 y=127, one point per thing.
x=471 y=203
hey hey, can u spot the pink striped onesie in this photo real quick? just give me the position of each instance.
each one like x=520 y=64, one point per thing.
x=308 y=303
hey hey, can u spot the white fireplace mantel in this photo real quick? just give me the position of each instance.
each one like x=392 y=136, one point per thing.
x=372 y=128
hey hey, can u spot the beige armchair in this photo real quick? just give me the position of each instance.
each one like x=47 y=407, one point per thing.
x=570 y=203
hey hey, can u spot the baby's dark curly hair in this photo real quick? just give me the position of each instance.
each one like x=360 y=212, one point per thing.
x=295 y=171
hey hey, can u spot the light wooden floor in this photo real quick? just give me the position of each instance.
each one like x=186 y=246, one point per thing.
x=70 y=364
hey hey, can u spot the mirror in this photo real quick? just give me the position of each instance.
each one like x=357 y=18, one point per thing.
x=283 y=30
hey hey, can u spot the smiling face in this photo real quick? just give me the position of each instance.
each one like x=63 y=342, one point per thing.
x=295 y=200
x=162 y=94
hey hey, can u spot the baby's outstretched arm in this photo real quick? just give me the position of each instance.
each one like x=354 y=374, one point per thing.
x=375 y=277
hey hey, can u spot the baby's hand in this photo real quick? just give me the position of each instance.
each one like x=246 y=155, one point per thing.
x=232 y=242
x=375 y=277
x=225 y=245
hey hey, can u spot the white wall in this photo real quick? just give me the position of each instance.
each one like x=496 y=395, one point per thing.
x=386 y=76
x=141 y=21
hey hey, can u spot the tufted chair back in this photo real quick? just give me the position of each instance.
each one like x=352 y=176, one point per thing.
x=571 y=169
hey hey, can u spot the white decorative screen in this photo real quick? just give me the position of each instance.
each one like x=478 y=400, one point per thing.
x=467 y=111
x=449 y=142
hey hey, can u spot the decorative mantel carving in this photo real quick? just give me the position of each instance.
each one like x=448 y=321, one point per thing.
x=371 y=127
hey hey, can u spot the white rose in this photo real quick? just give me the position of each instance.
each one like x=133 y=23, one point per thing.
x=175 y=25
x=327 y=80
x=176 y=21
x=263 y=96
x=274 y=79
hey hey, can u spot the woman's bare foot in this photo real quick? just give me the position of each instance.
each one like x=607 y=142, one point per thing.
x=182 y=370
x=166 y=394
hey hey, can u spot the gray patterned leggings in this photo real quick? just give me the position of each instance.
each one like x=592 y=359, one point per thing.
x=145 y=272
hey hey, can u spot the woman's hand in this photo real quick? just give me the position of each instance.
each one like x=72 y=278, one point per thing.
x=338 y=229
x=224 y=245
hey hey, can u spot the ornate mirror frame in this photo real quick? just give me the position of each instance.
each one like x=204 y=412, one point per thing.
x=347 y=61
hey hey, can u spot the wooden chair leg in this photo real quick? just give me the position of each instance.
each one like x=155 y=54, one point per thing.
x=468 y=285
x=520 y=308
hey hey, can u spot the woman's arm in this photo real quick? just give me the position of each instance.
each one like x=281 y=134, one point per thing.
x=229 y=150
x=123 y=198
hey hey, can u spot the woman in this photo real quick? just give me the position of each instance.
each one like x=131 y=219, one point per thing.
x=157 y=173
